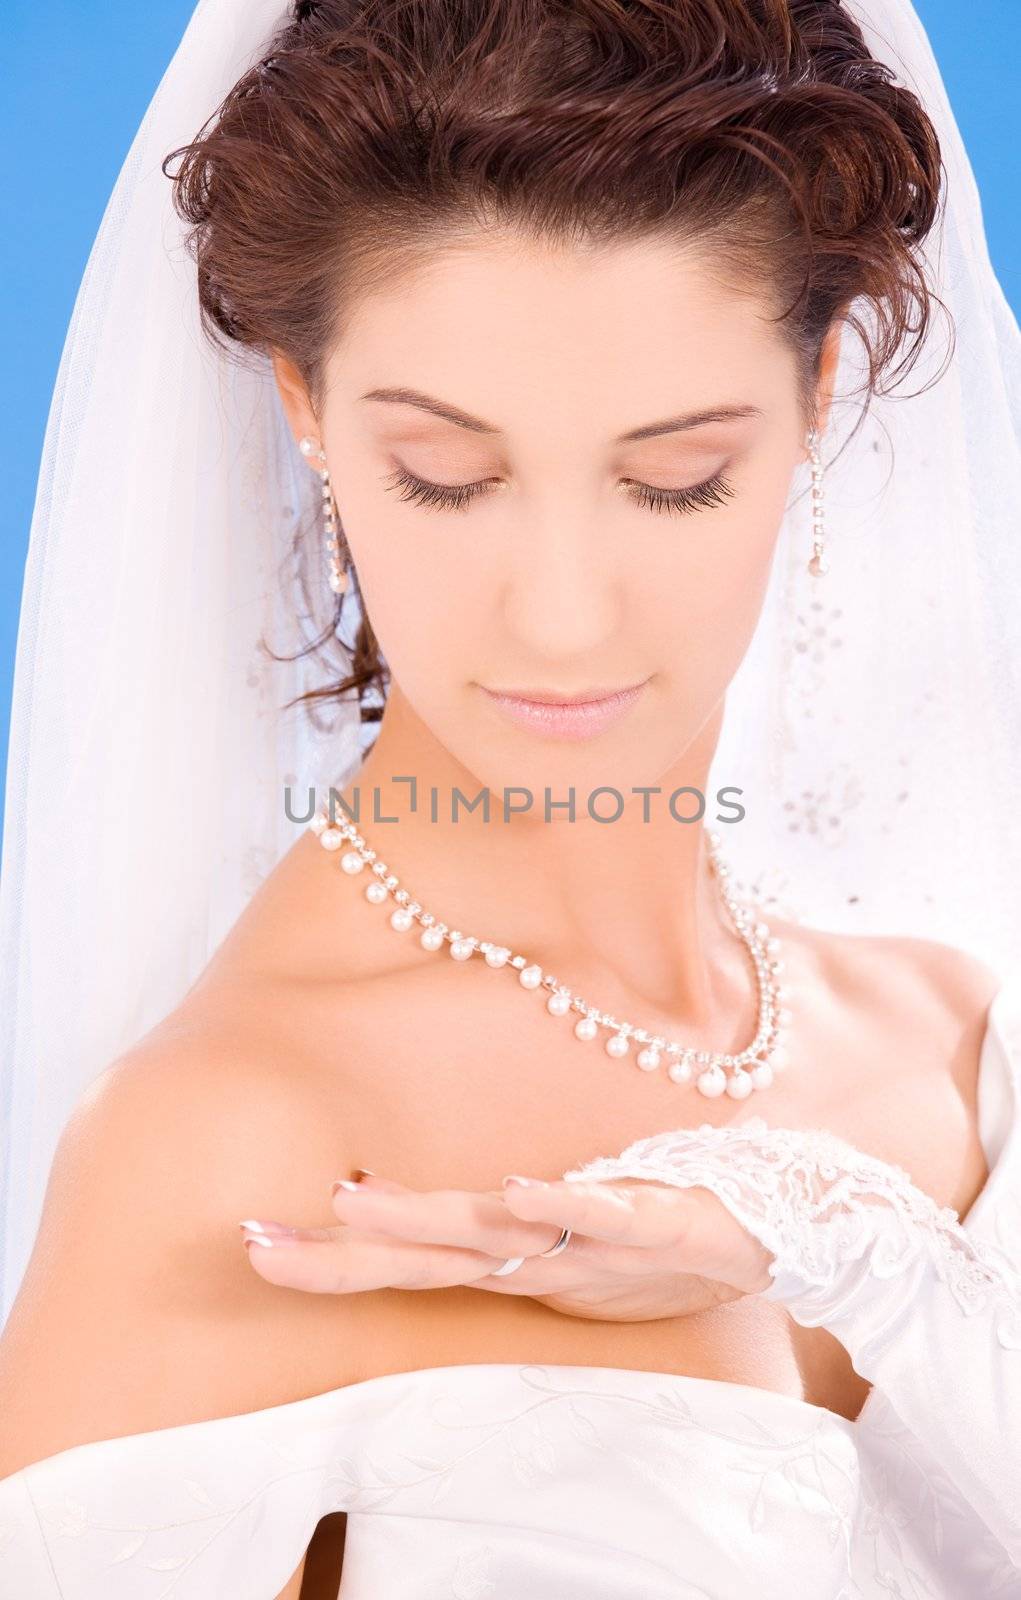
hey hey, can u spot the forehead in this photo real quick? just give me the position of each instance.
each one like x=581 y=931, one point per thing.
x=493 y=321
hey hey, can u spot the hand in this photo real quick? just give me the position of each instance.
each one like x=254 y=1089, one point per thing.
x=639 y=1250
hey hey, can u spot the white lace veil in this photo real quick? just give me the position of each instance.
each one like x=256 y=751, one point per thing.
x=874 y=724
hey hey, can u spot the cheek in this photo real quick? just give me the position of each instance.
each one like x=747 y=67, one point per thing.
x=702 y=592
x=419 y=600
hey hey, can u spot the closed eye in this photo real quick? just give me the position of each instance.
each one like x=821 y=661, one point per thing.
x=447 y=496
x=459 y=496
x=713 y=492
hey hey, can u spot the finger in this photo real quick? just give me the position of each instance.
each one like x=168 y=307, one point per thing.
x=466 y=1218
x=363 y=1177
x=372 y=1180
x=648 y=1215
x=353 y=1262
x=258 y=1231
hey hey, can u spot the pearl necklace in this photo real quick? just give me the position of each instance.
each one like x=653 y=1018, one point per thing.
x=719 y=1074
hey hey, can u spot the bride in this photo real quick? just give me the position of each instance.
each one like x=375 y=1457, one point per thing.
x=495 y=420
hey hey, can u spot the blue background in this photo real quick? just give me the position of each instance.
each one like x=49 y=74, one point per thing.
x=79 y=77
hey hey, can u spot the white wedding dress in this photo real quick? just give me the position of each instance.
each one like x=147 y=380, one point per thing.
x=505 y=1482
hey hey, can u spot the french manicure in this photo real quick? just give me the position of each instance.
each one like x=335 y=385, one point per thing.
x=345 y=1183
x=256 y=1238
x=267 y=1233
x=270 y=1242
x=526 y=1183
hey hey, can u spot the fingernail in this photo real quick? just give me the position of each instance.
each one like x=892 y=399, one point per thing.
x=265 y=1227
x=526 y=1183
x=344 y=1183
x=273 y=1243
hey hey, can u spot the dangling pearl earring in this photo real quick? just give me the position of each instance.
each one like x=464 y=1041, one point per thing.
x=337 y=569
x=818 y=564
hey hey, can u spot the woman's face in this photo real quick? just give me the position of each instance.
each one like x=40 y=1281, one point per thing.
x=561 y=470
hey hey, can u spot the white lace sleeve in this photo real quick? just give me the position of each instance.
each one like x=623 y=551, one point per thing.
x=930 y=1315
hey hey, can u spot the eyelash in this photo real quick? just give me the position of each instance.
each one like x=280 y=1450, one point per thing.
x=458 y=497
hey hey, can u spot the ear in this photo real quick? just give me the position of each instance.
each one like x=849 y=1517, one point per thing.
x=828 y=360
x=294 y=398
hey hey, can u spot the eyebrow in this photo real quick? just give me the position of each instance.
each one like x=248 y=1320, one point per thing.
x=464 y=419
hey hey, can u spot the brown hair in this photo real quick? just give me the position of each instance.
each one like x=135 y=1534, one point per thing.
x=373 y=128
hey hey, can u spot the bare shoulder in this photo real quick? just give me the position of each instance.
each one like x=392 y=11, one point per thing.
x=138 y=1305
x=952 y=991
x=936 y=990
x=892 y=981
x=916 y=1014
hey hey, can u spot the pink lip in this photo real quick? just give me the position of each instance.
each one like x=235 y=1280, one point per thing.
x=567 y=717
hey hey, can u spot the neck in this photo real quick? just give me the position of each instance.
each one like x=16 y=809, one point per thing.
x=628 y=912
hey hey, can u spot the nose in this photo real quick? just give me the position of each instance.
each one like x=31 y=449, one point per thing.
x=565 y=593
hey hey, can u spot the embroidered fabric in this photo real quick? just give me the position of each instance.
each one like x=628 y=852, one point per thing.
x=820 y=1205
x=923 y=1308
